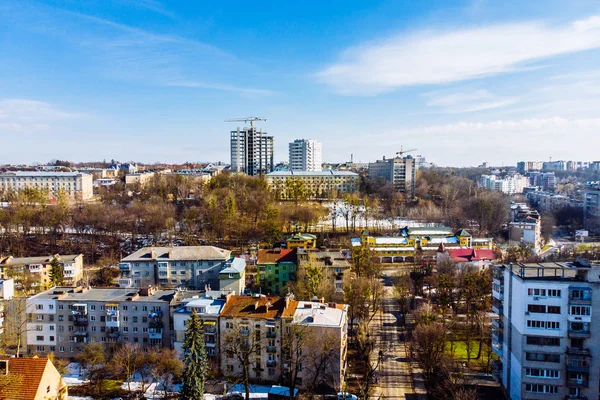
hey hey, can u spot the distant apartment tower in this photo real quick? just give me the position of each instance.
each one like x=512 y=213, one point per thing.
x=544 y=336
x=306 y=155
x=251 y=151
x=591 y=207
x=526 y=166
x=399 y=171
x=512 y=184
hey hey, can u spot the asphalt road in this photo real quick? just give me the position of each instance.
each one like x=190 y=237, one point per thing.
x=398 y=377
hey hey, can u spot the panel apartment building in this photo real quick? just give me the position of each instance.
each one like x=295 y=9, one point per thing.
x=71 y=264
x=251 y=151
x=76 y=185
x=189 y=266
x=545 y=335
x=62 y=320
x=591 y=207
x=306 y=155
x=399 y=171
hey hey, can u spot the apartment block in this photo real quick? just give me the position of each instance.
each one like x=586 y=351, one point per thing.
x=251 y=151
x=511 y=184
x=316 y=185
x=334 y=264
x=545 y=336
x=63 y=319
x=525 y=226
x=188 y=266
x=276 y=267
x=208 y=309
x=76 y=185
x=72 y=266
x=591 y=207
x=306 y=155
x=398 y=171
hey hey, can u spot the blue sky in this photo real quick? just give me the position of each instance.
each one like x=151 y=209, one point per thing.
x=153 y=80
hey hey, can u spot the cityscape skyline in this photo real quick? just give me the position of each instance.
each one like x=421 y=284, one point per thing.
x=113 y=80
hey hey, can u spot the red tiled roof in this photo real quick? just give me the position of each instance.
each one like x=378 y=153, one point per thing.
x=275 y=256
x=465 y=255
x=256 y=307
x=27 y=373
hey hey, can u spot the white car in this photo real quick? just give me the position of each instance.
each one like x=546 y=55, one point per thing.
x=346 y=396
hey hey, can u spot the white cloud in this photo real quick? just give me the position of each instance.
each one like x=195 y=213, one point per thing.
x=466 y=101
x=226 y=88
x=21 y=115
x=469 y=143
x=443 y=57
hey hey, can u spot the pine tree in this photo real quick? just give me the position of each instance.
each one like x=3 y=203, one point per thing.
x=56 y=273
x=196 y=364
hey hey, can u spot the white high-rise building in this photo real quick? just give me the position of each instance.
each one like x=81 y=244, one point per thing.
x=306 y=155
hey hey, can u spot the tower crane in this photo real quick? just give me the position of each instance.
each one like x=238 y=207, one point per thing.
x=247 y=119
x=402 y=152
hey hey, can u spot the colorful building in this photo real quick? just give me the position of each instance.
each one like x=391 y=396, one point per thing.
x=422 y=241
x=302 y=241
x=276 y=267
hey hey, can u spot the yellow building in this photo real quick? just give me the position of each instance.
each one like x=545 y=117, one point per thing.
x=312 y=184
x=302 y=241
x=423 y=241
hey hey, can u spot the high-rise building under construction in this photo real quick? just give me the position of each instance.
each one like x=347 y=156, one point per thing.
x=251 y=151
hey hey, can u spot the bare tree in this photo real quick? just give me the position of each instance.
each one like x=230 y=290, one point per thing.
x=15 y=325
x=243 y=345
x=295 y=340
x=167 y=368
x=126 y=361
x=322 y=353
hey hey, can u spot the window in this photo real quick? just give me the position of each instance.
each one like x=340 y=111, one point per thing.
x=60 y=306
x=543 y=324
x=135 y=329
x=544 y=357
x=125 y=319
x=580 y=310
x=39 y=317
x=93 y=308
x=93 y=329
x=553 y=292
x=61 y=349
x=61 y=328
x=51 y=338
x=553 y=309
x=535 y=388
x=144 y=308
x=51 y=306
x=40 y=348
x=71 y=349
x=51 y=327
x=543 y=341
x=39 y=338
x=92 y=317
x=39 y=328
x=134 y=319
x=124 y=308
x=536 y=308
x=60 y=318
x=125 y=329
x=39 y=306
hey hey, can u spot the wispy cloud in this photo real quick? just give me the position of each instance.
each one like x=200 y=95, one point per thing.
x=226 y=88
x=466 y=101
x=429 y=57
x=151 y=5
x=22 y=115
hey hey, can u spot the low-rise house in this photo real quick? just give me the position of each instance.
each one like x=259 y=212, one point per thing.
x=31 y=379
x=467 y=257
x=302 y=241
x=276 y=267
x=187 y=266
x=71 y=264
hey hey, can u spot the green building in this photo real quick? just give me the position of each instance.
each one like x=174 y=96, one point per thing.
x=276 y=267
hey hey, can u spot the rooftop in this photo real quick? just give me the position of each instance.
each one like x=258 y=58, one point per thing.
x=211 y=306
x=318 y=314
x=262 y=307
x=28 y=374
x=179 y=253
x=104 y=294
x=10 y=261
x=234 y=266
x=327 y=172
x=41 y=173
x=273 y=256
x=576 y=271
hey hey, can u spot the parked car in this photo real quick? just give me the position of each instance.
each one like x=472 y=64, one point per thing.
x=346 y=396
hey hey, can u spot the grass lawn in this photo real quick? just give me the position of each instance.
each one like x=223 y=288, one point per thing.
x=460 y=349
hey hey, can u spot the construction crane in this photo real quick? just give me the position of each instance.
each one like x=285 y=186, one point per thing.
x=247 y=119
x=402 y=152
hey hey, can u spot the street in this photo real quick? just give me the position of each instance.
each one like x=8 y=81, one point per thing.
x=399 y=378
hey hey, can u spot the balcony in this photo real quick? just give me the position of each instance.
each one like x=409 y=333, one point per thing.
x=156 y=324
x=581 y=295
x=497 y=307
x=271 y=363
x=155 y=314
x=579 y=333
x=578 y=351
x=80 y=320
x=575 y=397
x=271 y=334
x=113 y=333
x=576 y=383
x=271 y=349
x=578 y=368
x=113 y=322
x=497 y=349
x=497 y=370
x=497 y=323
x=155 y=333
x=125 y=266
x=81 y=332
